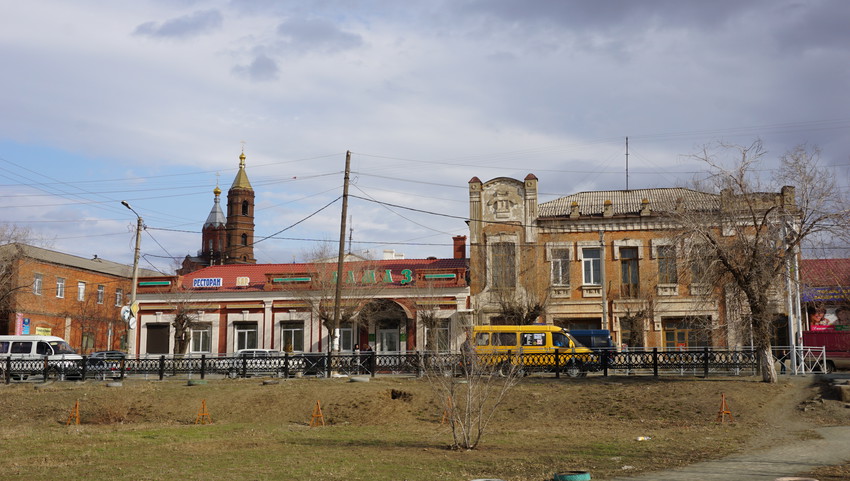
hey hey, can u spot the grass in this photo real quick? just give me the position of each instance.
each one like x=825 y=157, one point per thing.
x=145 y=430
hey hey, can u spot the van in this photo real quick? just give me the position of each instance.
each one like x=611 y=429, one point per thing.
x=537 y=343
x=593 y=338
x=28 y=353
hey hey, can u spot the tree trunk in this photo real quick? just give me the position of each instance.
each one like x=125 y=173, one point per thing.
x=768 y=371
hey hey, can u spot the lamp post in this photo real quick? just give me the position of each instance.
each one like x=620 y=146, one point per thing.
x=131 y=327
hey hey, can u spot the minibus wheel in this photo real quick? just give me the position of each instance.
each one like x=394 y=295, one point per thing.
x=572 y=369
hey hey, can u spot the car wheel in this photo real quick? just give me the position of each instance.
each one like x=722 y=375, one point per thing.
x=830 y=367
x=232 y=374
x=572 y=369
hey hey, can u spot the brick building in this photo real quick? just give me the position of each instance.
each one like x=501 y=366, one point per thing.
x=52 y=293
x=595 y=260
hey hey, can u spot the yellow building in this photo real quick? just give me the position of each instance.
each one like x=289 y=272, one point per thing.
x=595 y=260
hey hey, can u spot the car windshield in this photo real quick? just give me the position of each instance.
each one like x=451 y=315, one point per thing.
x=61 y=347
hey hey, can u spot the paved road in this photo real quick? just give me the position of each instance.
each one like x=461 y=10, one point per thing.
x=787 y=460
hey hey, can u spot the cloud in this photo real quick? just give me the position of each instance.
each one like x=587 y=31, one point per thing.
x=317 y=35
x=263 y=68
x=191 y=25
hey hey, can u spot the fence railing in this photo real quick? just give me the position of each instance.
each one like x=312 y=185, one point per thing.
x=656 y=362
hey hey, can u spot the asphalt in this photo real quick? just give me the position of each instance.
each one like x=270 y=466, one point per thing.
x=833 y=447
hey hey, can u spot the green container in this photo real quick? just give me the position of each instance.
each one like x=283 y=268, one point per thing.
x=572 y=476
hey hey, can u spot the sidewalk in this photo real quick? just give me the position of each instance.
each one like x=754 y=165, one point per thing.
x=786 y=460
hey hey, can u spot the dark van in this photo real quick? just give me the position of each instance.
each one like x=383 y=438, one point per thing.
x=594 y=338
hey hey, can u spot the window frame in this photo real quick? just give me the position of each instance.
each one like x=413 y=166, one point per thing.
x=668 y=271
x=560 y=266
x=60 y=287
x=503 y=264
x=629 y=271
x=81 y=291
x=202 y=335
x=37 y=284
x=101 y=293
x=593 y=263
x=119 y=297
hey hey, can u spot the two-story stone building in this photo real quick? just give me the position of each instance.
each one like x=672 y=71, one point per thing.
x=51 y=293
x=594 y=260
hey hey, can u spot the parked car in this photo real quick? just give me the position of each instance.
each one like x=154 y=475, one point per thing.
x=251 y=362
x=105 y=363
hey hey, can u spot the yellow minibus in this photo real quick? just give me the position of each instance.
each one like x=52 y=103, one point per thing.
x=534 y=347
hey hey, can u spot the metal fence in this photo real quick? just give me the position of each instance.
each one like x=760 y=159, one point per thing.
x=654 y=362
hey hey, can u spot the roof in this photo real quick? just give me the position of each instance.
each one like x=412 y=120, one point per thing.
x=241 y=180
x=216 y=217
x=96 y=264
x=630 y=201
x=257 y=272
x=825 y=272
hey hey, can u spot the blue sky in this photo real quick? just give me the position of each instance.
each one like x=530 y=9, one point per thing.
x=149 y=101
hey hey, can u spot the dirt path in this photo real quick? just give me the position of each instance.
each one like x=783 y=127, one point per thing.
x=801 y=439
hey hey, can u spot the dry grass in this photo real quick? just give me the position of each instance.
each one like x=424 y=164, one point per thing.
x=386 y=429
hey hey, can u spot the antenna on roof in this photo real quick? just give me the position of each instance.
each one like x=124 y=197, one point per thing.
x=627 y=163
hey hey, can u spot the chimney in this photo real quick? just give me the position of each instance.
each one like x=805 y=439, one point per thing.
x=459 y=246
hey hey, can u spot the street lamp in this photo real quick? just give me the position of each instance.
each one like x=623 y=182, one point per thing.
x=131 y=348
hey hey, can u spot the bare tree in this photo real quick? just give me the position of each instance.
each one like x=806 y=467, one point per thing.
x=741 y=244
x=470 y=393
x=361 y=283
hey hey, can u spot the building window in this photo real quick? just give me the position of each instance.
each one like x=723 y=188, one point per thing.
x=685 y=333
x=667 y=273
x=592 y=266
x=101 y=292
x=201 y=339
x=503 y=266
x=246 y=336
x=440 y=335
x=292 y=336
x=119 y=297
x=37 y=282
x=245 y=205
x=630 y=280
x=346 y=337
x=60 y=287
x=560 y=267
x=244 y=239
x=81 y=291
x=87 y=341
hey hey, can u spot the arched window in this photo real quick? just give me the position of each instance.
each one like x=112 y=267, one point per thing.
x=244 y=207
x=244 y=239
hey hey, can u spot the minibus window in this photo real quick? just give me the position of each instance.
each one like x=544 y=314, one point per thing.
x=43 y=349
x=482 y=338
x=560 y=340
x=504 y=339
x=575 y=341
x=62 y=347
x=21 y=347
x=533 y=338
x=4 y=347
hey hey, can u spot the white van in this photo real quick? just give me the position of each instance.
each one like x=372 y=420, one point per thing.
x=61 y=357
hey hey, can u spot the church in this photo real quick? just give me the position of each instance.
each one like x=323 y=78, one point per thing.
x=227 y=239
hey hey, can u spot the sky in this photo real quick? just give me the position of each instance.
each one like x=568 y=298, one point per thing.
x=152 y=102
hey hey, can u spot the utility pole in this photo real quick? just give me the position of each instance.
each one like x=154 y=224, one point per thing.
x=341 y=259
x=131 y=321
